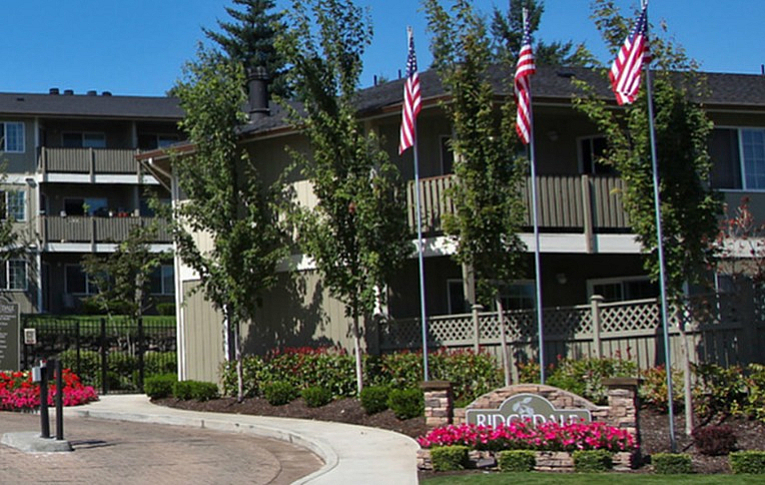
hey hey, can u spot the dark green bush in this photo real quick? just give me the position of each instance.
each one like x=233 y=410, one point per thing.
x=201 y=391
x=714 y=440
x=160 y=386
x=755 y=399
x=316 y=397
x=449 y=458
x=585 y=376
x=159 y=363
x=516 y=460
x=592 y=461
x=747 y=462
x=89 y=369
x=374 y=399
x=279 y=393
x=653 y=389
x=718 y=390
x=406 y=403
x=166 y=309
x=672 y=463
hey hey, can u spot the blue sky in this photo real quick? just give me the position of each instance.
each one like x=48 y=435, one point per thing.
x=137 y=47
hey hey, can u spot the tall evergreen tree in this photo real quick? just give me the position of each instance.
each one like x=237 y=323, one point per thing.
x=507 y=30
x=249 y=39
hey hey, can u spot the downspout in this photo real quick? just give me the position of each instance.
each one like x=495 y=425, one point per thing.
x=180 y=321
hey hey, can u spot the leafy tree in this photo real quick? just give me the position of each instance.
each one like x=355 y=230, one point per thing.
x=13 y=242
x=123 y=278
x=249 y=39
x=689 y=207
x=507 y=30
x=226 y=200
x=488 y=206
x=357 y=234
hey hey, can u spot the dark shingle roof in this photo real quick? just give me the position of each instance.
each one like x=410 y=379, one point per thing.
x=95 y=106
x=550 y=83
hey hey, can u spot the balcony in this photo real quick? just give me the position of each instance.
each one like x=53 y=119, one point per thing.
x=92 y=230
x=92 y=161
x=567 y=203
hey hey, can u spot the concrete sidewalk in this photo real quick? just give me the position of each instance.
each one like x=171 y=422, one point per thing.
x=352 y=454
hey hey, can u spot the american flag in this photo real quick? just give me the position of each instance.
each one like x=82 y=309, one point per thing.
x=625 y=71
x=412 y=99
x=523 y=72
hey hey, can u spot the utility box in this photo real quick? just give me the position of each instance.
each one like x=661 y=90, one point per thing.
x=30 y=336
x=37 y=373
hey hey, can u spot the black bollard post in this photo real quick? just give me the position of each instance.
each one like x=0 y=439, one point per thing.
x=59 y=401
x=44 y=419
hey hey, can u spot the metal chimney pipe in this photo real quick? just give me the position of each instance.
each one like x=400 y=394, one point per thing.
x=257 y=83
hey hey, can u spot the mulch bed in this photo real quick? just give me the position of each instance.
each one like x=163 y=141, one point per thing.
x=654 y=426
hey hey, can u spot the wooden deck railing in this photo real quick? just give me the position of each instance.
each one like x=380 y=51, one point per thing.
x=85 y=229
x=583 y=203
x=88 y=160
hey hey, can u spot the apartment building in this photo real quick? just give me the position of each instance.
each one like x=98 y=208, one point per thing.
x=73 y=187
x=586 y=243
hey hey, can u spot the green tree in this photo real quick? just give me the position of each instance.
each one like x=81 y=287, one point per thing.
x=689 y=207
x=227 y=202
x=123 y=277
x=357 y=234
x=507 y=30
x=487 y=193
x=14 y=243
x=249 y=39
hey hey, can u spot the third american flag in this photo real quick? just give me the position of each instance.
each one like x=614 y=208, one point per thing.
x=625 y=71
x=523 y=72
x=411 y=99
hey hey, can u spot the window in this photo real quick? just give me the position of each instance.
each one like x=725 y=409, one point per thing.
x=14 y=204
x=518 y=295
x=77 y=281
x=153 y=141
x=84 y=140
x=163 y=280
x=739 y=158
x=447 y=155
x=623 y=289
x=591 y=150
x=12 y=137
x=14 y=275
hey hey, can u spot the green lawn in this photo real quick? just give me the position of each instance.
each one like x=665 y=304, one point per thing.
x=589 y=479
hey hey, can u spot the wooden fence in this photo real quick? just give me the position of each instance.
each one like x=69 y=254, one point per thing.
x=721 y=328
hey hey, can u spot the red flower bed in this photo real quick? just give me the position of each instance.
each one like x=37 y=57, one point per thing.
x=18 y=392
x=522 y=435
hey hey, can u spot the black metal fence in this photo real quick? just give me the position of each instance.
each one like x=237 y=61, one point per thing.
x=113 y=354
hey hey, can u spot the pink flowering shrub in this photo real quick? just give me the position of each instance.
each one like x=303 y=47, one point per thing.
x=522 y=435
x=18 y=392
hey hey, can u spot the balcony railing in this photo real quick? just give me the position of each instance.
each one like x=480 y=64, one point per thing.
x=581 y=203
x=88 y=160
x=85 y=229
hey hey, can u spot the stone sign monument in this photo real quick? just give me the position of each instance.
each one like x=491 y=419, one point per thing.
x=526 y=407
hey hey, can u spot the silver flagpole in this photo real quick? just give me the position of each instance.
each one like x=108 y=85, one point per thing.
x=535 y=222
x=420 y=244
x=660 y=246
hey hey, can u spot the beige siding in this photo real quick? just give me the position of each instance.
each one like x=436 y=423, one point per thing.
x=202 y=337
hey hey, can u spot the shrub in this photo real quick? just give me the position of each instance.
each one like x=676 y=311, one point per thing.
x=316 y=397
x=158 y=363
x=592 y=461
x=449 y=458
x=747 y=462
x=714 y=440
x=166 y=309
x=374 y=399
x=755 y=401
x=585 y=376
x=516 y=460
x=201 y=391
x=672 y=463
x=471 y=374
x=89 y=369
x=719 y=390
x=160 y=386
x=406 y=403
x=18 y=392
x=279 y=393
x=653 y=390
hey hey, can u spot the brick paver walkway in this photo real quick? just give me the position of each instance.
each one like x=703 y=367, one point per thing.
x=108 y=452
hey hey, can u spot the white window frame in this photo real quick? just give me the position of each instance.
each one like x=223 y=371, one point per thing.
x=449 y=298
x=443 y=148
x=12 y=284
x=580 y=153
x=163 y=290
x=521 y=282
x=20 y=207
x=20 y=144
x=742 y=158
x=742 y=167
x=83 y=135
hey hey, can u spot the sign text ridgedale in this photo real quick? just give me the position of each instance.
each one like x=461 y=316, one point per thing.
x=526 y=407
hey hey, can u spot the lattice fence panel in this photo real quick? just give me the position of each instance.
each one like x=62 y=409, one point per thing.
x=567 y=321
x=623 y=317
x=451 y=328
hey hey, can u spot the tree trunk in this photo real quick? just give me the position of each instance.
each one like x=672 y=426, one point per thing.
x=503 y=340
